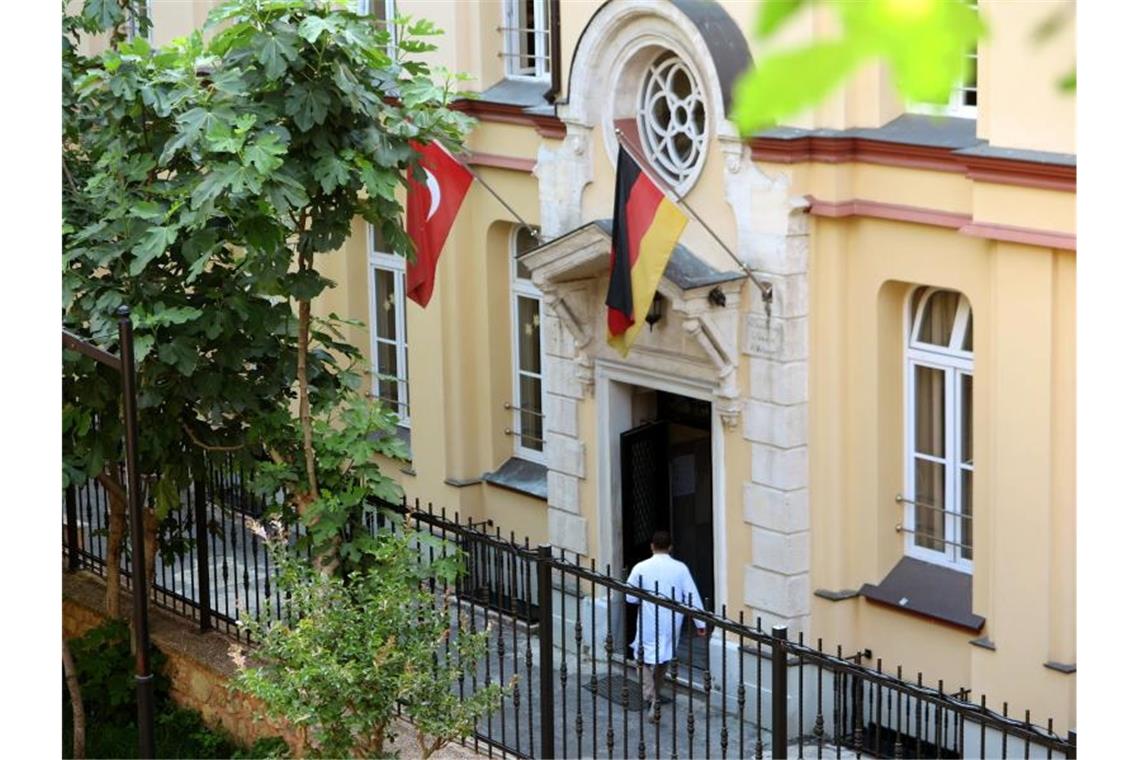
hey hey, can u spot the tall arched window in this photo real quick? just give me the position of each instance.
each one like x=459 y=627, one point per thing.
x=386 y=294
x=526 y=352
x=940 y=457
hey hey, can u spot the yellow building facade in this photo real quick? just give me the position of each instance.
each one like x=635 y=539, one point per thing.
x=874 y=447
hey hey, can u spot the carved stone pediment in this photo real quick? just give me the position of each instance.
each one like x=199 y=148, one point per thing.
x=697 y=337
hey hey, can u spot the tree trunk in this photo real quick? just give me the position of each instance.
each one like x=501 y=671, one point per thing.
x=78 y=719
x=150 y=542
x=304 y=318
x=116 y=529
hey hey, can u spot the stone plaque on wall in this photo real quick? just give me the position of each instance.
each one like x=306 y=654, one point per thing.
x=764 y=335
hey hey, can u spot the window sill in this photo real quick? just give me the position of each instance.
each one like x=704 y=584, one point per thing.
x=927 y=590
x=516 y=90
x=520 y=475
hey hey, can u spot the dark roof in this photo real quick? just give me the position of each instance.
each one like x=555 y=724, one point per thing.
x=957 y=134
x=725 y=42
x=685 y=269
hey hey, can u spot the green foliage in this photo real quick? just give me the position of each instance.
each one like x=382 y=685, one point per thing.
x=106 y=671
x=923 y=41
x=200 y=180
x=347 y=443
x=265 y=749
x=365 y=644
x=105 y=668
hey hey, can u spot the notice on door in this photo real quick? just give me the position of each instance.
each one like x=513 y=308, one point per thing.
x=683 y=470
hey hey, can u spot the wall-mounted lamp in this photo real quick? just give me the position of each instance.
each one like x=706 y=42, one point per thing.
x=716 y=297
x=656 y=311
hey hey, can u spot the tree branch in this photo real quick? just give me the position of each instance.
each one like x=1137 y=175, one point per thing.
x=208 y=447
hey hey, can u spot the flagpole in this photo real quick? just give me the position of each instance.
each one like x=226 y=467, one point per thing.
x=764 y=286
x=530 y=228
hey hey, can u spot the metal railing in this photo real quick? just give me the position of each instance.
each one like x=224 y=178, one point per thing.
x=559 y=643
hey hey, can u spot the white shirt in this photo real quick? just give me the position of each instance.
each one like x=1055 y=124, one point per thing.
x=671 y=579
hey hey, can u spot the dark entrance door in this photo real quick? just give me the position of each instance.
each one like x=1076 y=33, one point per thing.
x=666 y=468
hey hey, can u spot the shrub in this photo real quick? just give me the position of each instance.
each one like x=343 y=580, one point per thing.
x=363 y=645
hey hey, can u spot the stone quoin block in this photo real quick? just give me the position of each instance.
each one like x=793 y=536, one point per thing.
x=775 y=424
x=561 y=415
x=784 y=469
x=781 y=254
x=560 y=378
x=787 y=553
x=566 y=530
x=556 y=339
x=785 y=595
x=778 y=381
x=562 y=491
x=789 y=296
x=776 y=510
x=566 y=455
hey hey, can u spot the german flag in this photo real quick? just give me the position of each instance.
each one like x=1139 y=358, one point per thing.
x=645 y=228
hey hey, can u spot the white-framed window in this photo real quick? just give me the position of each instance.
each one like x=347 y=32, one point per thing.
x=133 y=22
x=388 y=327
x=526 y=38
x=672 y=120
x=383 y=11
x=526 y=352
x=939 y=428
x=963 y=100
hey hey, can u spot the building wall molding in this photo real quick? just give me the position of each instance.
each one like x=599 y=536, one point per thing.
x=963 y=223
x=496 y=161
x=843 y=150
x=546 y=125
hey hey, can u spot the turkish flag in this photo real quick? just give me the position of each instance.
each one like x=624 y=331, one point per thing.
x=431 y=211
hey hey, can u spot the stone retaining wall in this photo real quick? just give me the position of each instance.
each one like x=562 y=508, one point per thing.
x=199 y=669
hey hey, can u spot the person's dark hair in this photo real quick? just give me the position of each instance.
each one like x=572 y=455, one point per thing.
x=662 y=541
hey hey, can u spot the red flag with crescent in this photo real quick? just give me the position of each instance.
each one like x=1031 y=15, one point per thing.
x=432 y=206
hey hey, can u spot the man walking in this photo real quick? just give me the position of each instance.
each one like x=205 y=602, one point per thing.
x=658 y=628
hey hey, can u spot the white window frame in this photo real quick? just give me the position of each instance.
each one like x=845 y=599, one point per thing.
x=513 y=31
x=364 y=8
x=524 y=288
x=659 y=148
x=956 y=105
x=389 y=262
x=955 y=363
x=132 y=24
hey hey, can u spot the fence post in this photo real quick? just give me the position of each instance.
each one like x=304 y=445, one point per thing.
x=72 y=531
x=1072 y=751
x=779 y=693
x=201 y=530
x=546 y=650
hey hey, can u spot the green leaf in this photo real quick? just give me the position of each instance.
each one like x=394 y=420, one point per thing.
x=312 y=27
x=765 y=95
x=330 y=172
x=222 y=138
x=175 y=316
x=153 y=244
x=215 y=182
x=773 y=14
x=103 y=13
x=143 y=344
x=274 y=51
x=308 y=104
x=265 y=153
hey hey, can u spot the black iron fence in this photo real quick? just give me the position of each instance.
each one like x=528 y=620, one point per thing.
x=560 y=635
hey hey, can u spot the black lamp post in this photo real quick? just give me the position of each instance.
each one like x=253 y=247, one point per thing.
x=144 y=679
